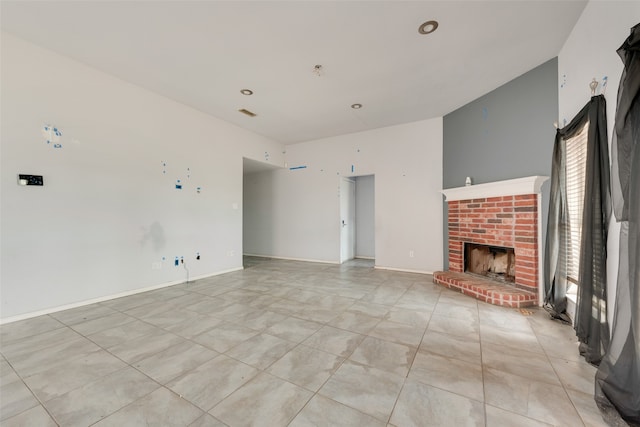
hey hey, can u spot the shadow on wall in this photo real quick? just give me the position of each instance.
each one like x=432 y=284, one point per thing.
x=155 y=235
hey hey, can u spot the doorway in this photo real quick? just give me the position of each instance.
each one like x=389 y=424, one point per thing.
x=357 y=224
x=347 y=219
x=257 y=209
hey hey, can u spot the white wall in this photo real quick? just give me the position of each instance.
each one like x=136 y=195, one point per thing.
x=590 y=51
x=296 y=212
x=365 y=217
x=107 y=211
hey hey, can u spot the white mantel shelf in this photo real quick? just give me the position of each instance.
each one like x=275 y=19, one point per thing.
x=509 y=187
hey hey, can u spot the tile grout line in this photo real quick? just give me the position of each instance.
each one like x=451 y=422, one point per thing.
x=249 y=285
x=564 y=388
x=484 y=391
x=404 y=382
x=40 y=402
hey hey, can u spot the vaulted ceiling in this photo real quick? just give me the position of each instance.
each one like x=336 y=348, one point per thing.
x=202 y=53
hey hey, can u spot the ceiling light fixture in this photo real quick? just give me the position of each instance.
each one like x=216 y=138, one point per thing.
x=246 y=92
x=428 y=27
x=247 y=112
x=356 y=106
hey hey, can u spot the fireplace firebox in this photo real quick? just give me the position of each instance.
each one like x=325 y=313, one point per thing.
x=493 y=262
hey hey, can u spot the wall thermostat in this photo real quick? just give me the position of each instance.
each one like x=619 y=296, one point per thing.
x=24 y=179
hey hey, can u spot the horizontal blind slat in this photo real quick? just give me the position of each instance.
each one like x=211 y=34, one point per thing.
x=576 y=161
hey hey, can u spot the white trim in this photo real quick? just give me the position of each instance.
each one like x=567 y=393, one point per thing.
x=571 y=306
x=204 y=276
x=337 y=263
x=364 y=257
x=405 y=270
x=540 y=263
x=110 y=297
x=509 y=187
x=320 y=261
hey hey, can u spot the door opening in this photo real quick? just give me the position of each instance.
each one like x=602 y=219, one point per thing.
x=365 y=217
x=347 y=219
x=357 y=218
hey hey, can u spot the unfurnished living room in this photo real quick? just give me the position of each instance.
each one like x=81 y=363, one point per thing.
x=320 y=213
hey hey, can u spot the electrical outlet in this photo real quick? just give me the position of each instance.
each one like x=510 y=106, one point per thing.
x=411 y=254
x=156 y=266
x=231 y=253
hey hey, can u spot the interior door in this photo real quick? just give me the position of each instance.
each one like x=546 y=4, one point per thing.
x=347 y=219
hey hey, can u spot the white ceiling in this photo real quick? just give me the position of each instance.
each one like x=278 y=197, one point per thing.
x=201 y=53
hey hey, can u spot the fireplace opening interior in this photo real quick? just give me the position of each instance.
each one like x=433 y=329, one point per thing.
x=493 y=262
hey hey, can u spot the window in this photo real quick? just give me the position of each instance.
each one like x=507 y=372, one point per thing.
x=576 y=155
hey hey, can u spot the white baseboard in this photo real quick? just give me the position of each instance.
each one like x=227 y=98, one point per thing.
x=217 y=273
x=364 y=257
x=405 y=270
x=321 y=261
x=110 y=297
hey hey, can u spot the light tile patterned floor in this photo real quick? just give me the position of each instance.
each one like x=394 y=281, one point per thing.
x=291 y=343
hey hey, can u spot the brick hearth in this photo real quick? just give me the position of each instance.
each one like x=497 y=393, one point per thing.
x=486 y=290
x=509 y=221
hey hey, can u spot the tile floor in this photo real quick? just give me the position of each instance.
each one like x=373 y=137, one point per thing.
x=300 y=344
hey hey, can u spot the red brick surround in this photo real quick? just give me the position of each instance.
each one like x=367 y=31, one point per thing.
x=510 y=221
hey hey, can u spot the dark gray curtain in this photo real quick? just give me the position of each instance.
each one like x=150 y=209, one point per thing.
x=618 y=378
x=590 y=322
x=555 y=263
x=591 y=307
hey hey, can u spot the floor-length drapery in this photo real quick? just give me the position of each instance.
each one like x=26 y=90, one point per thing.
x=590 y=320
x=555 y=266
x=618 y=378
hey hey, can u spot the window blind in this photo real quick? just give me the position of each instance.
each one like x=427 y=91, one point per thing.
x=576 y=160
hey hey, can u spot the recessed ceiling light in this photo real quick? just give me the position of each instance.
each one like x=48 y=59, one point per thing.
x=356 y=106
x=428 y=27
x=246 y=92
x=247 y=112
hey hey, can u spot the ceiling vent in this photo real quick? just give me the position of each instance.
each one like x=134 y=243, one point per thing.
x=247 y=112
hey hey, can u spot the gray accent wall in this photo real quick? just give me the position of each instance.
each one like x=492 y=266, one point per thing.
x=507 y=133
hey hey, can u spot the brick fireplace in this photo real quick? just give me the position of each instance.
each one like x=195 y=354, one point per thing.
x=503 y=214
